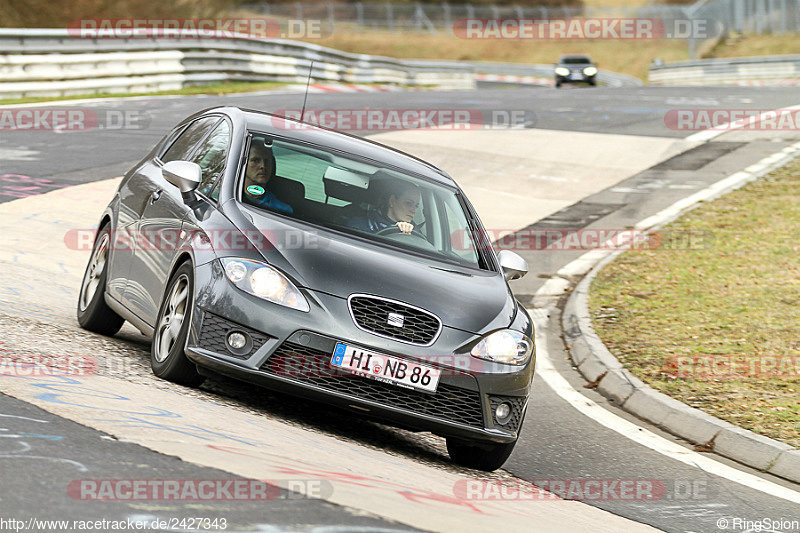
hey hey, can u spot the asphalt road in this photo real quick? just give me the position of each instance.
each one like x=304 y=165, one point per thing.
x=558 y=443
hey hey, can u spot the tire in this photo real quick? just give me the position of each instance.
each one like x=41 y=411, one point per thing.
x=487 y=457
x=92 y=311
x=167 y=357
x=558 y=84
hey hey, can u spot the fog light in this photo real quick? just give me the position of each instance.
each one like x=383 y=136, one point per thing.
x=502 y=413
x=237 y=340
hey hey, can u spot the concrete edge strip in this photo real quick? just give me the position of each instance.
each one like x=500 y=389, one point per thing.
x=597 y=364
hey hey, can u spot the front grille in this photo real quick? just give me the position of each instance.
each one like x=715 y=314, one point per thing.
x=215 y=329
x=372 y=314
x=312 y=366
x=517 y=404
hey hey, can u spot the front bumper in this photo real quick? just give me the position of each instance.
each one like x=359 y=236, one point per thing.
x=290 y=351
x=580 y=78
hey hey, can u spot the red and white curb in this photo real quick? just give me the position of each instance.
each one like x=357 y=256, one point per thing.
x=344 y=88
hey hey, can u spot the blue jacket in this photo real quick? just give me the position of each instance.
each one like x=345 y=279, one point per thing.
x=372 y=222
x=269 y=200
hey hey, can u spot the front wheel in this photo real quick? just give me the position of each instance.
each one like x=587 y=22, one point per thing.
x=168 y=359
x=93 y=312
x=486 y=457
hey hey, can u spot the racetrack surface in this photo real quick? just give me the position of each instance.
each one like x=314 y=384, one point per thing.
x=600 y=158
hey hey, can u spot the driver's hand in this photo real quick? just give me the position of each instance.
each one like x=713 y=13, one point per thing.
x=405 y=227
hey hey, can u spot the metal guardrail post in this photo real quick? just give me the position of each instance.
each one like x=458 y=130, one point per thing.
x=360 y=14
x=390 y=16
x=331 y=16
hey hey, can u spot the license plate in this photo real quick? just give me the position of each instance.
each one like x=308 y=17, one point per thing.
x=386 y=368
x=576 y=76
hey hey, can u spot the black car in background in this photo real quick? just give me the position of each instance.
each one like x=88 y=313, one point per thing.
x=319 y=264
x=575 y=69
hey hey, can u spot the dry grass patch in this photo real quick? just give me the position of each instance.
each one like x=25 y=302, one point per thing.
x=617 y=56
x=717 y=326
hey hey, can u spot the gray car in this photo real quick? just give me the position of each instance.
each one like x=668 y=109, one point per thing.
x=319 y=264
x=575 y=69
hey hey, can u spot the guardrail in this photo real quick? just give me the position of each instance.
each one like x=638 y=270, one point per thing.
x=51 y=62
x=767 y=70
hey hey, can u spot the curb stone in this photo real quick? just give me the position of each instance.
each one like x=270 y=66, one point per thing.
x=593 y=360
x=597 y=364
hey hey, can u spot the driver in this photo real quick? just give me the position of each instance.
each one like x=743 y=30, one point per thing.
x=260 y=169
x=398 y=210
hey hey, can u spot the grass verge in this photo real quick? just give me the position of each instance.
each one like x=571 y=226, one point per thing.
x=717 y=326
x=217 y=88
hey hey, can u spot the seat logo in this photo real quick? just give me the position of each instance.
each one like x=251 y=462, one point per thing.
x=395 y=319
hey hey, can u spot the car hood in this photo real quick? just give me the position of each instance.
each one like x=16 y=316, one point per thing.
x=319 y=260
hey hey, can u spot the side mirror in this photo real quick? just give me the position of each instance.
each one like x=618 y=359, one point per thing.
x=185 y=175
x=513 y=266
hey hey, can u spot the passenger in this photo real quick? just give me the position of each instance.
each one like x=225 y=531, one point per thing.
x=260 y=170
x=397 y=210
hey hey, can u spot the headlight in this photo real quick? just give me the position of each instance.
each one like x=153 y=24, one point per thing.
x=590 y=71
x=505 y=346
x=562 y=71
x=264 y=281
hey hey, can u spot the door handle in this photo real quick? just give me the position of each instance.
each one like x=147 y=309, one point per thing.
x=155 y=196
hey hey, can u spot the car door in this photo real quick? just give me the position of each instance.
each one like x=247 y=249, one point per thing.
x=134 y=193
x=158 y=229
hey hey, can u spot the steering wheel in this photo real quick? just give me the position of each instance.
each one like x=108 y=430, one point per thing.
x=394 y=229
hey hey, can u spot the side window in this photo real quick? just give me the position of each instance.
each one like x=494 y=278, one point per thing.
x=461 y=242
x=187 y=140
x=301 y=167
x=211 y=157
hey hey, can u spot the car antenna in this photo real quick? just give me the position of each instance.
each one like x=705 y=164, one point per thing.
x=305 y=98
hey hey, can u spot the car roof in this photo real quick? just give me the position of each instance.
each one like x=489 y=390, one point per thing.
x=575 y=56
x=275 y=124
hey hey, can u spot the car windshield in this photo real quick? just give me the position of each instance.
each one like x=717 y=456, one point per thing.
x=359 y=197
x=575 y=61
